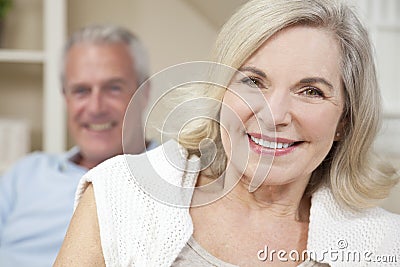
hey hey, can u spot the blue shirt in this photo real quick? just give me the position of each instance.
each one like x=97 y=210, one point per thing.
x=36 y=205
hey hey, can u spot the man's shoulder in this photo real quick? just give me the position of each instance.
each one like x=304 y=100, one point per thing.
x=29 y=168
x=37 y=159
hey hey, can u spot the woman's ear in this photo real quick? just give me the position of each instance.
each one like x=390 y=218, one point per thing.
x=337 y=136
x=339 y=130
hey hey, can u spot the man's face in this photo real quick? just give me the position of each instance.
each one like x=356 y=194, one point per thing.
x=99 y=82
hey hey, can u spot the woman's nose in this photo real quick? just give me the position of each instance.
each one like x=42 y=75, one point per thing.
x=277 y=113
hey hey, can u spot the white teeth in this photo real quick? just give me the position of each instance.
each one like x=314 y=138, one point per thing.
x=100 y=127
x=272 y=145
x=265 y=143
x=285 y=145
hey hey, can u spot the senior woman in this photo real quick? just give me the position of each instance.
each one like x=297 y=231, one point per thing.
x=314 y=203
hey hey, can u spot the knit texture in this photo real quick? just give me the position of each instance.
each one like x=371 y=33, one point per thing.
x=135 y=228
x=140 y=227
x=354 y=238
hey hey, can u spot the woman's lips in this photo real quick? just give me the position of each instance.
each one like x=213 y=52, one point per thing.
x=271 y=146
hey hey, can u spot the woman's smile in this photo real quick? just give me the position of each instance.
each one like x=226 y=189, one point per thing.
x=280 y=121
x=266 y=145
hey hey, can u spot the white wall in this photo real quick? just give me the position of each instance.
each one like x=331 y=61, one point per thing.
x=382 y=17
x=172 y=31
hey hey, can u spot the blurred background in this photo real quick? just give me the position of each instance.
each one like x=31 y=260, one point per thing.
x=32 y=33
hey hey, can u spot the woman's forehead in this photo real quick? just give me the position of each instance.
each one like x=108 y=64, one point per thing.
x=302 y=50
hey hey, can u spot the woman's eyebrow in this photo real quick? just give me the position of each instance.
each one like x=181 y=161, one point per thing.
x=254 y=70
x=309 y=80
x=312 y=80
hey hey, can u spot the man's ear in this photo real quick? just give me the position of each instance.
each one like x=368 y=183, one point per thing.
x=145 y=94
x=63 y=90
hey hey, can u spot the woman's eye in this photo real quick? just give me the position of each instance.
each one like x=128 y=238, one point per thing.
x=252 y=82
x=312 y=92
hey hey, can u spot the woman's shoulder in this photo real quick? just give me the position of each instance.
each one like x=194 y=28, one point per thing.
x=164 y=167
x=138 y=189
x=387 y=216
x=119 y=165
x=324 y=202
x=165 y=155
x=374 y=229
x=386 y=223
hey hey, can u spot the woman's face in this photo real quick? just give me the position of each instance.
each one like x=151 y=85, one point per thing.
x=283 y=118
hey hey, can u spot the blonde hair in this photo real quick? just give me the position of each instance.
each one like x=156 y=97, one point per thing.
x=351 y=170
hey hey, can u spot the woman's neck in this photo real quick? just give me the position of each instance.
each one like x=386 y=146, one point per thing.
x=280 y=201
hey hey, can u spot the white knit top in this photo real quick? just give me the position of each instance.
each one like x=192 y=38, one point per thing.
x=139 y=226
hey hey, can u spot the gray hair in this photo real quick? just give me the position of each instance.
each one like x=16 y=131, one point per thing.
x=108 y=34
x=351 y=170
